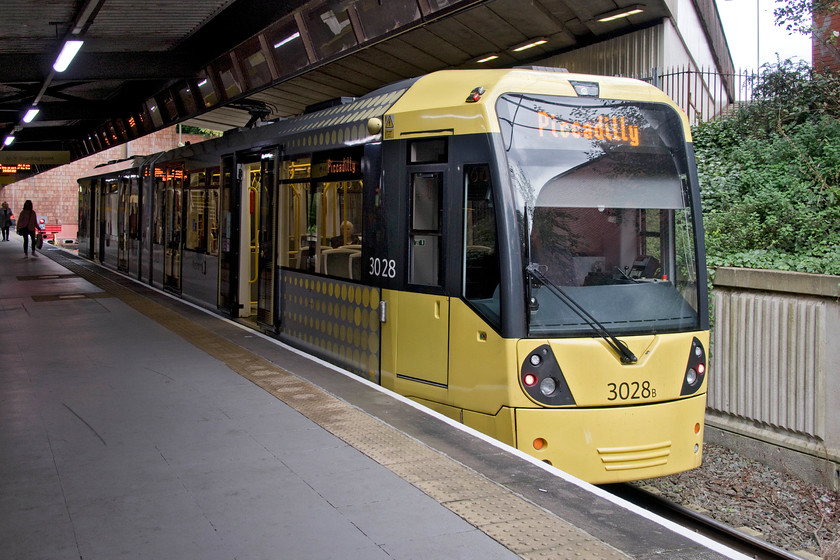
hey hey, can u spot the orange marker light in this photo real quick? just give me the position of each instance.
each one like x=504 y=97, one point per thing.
x=539 y=443
x=697 y=428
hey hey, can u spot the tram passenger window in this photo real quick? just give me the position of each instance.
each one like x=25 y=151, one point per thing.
x=202 y=200
x=481 y=251
x=213 y=176
x=298 y=203
x=196 y=220
x=157 y=226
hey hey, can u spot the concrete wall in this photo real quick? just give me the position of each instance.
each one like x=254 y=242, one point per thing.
x=54 y=193
x=773 y=371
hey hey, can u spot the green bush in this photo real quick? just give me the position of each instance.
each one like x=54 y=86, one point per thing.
x=770 y=175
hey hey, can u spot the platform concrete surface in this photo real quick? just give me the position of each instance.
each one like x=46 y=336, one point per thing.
x=134 y=425
x=120 y=440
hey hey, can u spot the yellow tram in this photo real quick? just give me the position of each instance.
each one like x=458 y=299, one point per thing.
x=520 y=250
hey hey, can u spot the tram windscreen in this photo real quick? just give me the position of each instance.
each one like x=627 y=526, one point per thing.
x=602 y=190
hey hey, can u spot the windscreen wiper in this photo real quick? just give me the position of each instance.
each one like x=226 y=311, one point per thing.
x=624 y=353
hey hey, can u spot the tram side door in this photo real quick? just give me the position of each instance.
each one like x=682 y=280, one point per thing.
x=423 y=328
x=265 y=239
x=101 y=232
x=173 y=229
x=229 y=220
x=247 y=259
x=122 y=225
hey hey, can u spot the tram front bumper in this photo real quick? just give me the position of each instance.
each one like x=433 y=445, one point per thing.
x=618 y=444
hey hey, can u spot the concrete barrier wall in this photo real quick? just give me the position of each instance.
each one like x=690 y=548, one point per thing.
x=775 y=369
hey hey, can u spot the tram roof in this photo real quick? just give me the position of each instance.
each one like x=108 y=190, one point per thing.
x=219 y=63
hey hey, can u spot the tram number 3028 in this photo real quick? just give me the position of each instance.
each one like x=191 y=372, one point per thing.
x=630 y=391
x=384 y=268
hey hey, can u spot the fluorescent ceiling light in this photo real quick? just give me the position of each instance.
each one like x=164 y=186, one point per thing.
x=67 y=54
x=30 y=115
x=534 y=43
x=8 y=141
x=620 y=13
x=487 y=58
x=288 y=39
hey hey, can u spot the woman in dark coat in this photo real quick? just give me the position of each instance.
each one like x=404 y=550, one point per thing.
x=27 y=225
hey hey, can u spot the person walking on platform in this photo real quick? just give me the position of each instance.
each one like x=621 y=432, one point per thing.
x=5 y=220
x=27 y=225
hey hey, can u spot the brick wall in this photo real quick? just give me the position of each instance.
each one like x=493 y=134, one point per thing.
x=825 y=46
x=55 y=193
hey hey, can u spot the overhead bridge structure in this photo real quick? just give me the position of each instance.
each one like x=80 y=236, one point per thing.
x=221 y=64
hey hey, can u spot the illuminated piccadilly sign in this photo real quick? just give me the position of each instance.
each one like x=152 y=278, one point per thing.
x=605 y=128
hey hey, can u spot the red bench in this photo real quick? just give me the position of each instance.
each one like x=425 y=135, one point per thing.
x=50 y=230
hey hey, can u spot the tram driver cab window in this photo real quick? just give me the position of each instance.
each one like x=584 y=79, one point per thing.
x=481 y=251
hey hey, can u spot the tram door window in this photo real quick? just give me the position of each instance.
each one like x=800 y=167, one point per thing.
x=133 y=219
x=250 y=175
x=481 y=252
x=227 y=237
x=122 y=224
x=173 y=227
x=85 y=215
x=108 y=225
x=425 y=235
x=266 y=233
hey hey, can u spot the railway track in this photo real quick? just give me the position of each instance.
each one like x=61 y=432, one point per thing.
x=702 y=524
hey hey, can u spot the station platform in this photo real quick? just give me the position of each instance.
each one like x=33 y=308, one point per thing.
x=134 y=425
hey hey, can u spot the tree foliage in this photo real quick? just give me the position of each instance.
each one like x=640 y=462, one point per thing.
x=770 y=175
x=796 y=15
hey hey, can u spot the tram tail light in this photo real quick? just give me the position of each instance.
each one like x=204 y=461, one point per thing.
x=695 y=371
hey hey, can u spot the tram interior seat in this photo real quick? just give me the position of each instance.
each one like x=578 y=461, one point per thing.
x=356 y=266
x=336 y=262
x=302 y=258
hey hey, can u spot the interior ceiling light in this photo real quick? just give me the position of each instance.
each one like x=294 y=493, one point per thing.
x=8 y=141
x=30 y=115
x=68 y=52
x=620 y=13
x=530 y=44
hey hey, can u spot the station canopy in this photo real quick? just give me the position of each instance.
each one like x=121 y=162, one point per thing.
x=222 y=64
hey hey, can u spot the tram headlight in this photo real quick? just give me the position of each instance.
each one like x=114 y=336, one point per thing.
x=548 y=386
x=691 y=377
x=535 y=360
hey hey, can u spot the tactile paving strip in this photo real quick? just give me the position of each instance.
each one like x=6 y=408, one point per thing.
x=518 y=524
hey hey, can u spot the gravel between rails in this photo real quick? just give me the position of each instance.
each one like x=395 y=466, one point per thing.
x=784 y=510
